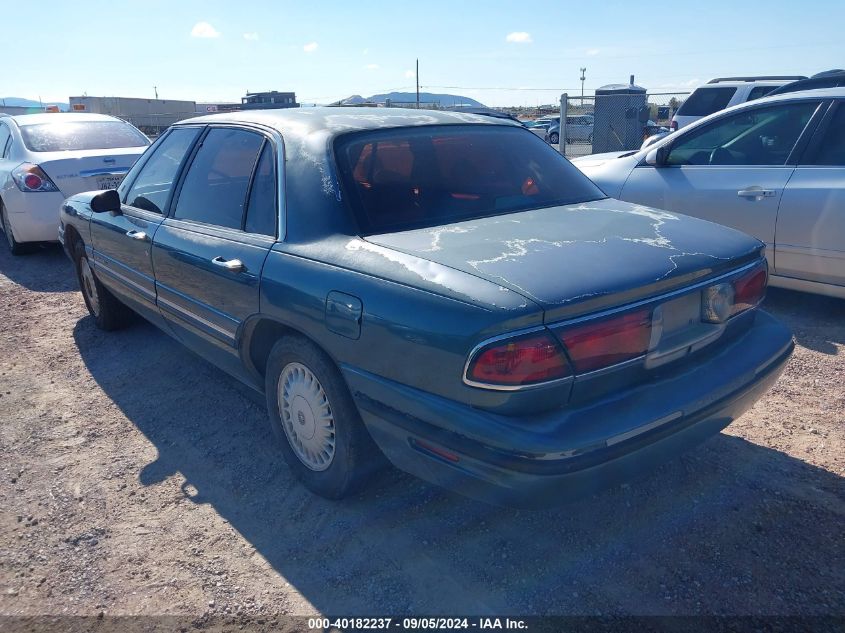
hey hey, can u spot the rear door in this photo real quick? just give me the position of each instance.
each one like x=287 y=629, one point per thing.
x=731 y=171
x=208 y=254
x=810 y=234
x=121 y=241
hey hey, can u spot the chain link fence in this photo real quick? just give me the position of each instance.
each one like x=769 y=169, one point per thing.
x=609 y=122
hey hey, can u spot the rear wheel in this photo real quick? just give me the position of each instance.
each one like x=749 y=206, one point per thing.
x=16 y=247
x=554 y=138
x=313 y=416
x=108 y=312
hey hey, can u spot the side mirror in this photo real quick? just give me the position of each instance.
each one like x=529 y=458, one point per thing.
x=108 y=200
x=657 y=157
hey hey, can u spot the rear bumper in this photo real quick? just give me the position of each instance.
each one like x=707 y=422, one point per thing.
x=34 y=217
x=565 y=454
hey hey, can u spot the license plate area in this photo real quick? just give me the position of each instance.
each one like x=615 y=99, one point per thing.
x=677 y=330
x=109 y=181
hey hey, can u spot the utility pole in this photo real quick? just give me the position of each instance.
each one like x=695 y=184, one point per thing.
x=418 y=83
x=155 y=88
x=583 y=77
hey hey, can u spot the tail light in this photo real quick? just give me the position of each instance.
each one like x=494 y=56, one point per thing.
x=722 y=301
x=31 y=178
x=599 y=344
x=518 y=362
x=673 y=125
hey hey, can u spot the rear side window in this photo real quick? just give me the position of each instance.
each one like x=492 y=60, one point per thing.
x=414 y=177
x=760 y=91
x=832 y=149
x=261 y=210
x=215 y=188
x=151 y=189
x=5 y=135
x=706 y=101
x=81 y=135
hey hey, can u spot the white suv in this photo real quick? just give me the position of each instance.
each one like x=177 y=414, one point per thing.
x=44 y=158
x=723 y=92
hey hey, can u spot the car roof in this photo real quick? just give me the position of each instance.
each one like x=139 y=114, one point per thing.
x=736 y=84
x=59 y=117
x=335 y=121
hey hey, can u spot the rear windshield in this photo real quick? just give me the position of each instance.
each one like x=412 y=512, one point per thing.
x=706 y=101
x=76 y=135
x=407 y=178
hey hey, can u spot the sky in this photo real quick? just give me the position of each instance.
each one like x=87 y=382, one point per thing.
x=500 y=53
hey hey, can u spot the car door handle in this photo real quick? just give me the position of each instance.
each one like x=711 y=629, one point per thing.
x=136 y=235
x=235 y=265
x=756 y=192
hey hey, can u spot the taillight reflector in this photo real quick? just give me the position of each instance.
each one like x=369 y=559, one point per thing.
x=599 y=344
x=750 y=289
x=519 y=361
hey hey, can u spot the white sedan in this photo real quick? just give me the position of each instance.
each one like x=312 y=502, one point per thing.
x=774 y=168
x=45 y=158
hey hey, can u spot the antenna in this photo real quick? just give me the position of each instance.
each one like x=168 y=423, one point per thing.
x=156 y=91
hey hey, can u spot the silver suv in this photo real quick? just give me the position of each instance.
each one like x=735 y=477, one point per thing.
x=724 y=92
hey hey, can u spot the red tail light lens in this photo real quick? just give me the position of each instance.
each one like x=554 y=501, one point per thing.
x=520 y=361
x=31 y=178
x=750 y=289
x=603 y=343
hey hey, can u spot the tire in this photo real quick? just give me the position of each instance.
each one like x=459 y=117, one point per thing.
x=312 y=414
x=16 y=247
x=109 y=313
x=554 y=138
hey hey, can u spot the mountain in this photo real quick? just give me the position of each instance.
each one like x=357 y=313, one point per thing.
x=444 y=100
x=18 y=102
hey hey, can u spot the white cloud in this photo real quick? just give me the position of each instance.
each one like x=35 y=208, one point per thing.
x=251 y=36
x=592 y=52
x=519 y=37
x=410 y=74
x=310 y=47
x=204 y=29
x=371 y=67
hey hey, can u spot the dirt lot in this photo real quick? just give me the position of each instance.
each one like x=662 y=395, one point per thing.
x=138 y=479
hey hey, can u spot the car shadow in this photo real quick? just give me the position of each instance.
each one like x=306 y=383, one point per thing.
x=816 y=321
x=730 y=528
x=54 y=270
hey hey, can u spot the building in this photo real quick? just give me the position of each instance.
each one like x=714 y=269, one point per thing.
x=268 y=100
x=213 y=108
x=151 y=116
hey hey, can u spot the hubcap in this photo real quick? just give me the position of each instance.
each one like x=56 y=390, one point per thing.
x=89 y=287
x=306 y=416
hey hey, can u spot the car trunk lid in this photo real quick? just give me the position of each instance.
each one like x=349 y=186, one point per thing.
x=577 y=259
x=87 y=170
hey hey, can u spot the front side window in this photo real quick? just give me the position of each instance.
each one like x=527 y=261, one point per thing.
x=415 y=177
x=81 y=135
x=759 y=136
x=151 y=188
x=215 y=188
x=832 y=149
x=706 y=101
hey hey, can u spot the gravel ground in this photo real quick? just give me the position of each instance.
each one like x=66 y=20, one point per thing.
x=138 y=479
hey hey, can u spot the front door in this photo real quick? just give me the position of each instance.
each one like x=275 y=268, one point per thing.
x=209 y=253
x=732 y=171
x=121 y=241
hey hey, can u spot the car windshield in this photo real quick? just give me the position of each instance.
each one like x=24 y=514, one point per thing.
x=81 y=135
x=407 y=178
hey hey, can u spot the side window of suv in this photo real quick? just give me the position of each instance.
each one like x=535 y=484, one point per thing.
x=759 y=91
x=758 y=136
x=151 y=189
x=832 y=149
x=215 y=188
